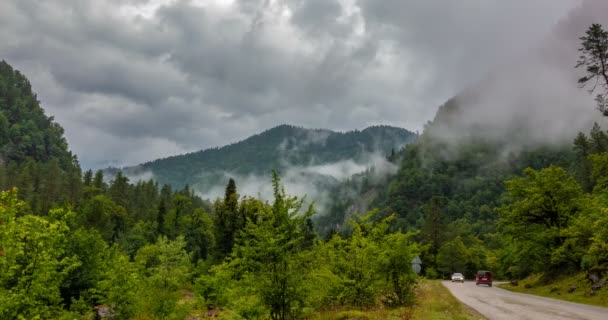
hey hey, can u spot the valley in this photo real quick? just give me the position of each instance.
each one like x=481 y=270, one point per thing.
x=217 y=210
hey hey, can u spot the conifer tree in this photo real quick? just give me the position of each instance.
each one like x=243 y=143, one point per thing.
x=594 y=57
x=226 y=219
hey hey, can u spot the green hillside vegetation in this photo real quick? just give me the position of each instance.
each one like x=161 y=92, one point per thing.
x=570 y=287
x=275 y=149
x=33 y=151
x=25 y=131
x=433 y=302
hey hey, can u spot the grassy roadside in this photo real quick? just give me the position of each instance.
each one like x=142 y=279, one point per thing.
x=434 y=302
x=559 y=289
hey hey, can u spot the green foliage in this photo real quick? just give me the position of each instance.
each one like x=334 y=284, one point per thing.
x=275 y=264
x=228 y=221
x=540 y=207
x=369 y=263
x=120 y=285
x=552 y=224
x=445 y=191
x=25 y=131
x=356 y=267
x=33 y=261
x=394 y=262
x=198 y=232
x=452 y=257
x=352 y=314
x=91 y=250
x=104 y=215
x=166 y=268
x=268 y=256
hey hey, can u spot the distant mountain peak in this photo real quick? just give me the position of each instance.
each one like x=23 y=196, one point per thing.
x=280 y=147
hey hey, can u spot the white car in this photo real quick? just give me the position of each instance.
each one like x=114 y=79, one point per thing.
x=458 y=277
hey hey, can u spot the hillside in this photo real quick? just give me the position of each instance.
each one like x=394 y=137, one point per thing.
x=25 y=131
x=34 y=154
x=282 y=148
x=501 y=180
x=524 y=113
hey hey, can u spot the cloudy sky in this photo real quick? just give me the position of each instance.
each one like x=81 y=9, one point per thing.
x=134 y=80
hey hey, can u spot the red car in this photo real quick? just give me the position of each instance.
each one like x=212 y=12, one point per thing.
x=483 y=277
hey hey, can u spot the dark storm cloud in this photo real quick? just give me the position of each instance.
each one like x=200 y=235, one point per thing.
x=135 y=80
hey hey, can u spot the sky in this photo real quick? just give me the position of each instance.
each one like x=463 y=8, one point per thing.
x=135 y=80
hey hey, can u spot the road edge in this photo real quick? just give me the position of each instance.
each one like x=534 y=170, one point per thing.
x=472 y=311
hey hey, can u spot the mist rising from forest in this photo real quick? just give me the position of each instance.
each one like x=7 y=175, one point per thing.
x=533 y=99
x=313 y=182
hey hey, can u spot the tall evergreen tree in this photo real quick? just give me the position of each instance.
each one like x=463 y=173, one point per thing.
x=582 y=149
x=88 y=178
x=98 y=182
x=227 y=220
x=594 y=57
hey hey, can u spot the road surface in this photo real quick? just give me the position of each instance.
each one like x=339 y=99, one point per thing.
x=498 y=304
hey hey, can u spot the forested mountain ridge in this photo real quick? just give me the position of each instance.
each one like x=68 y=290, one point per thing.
x=25 y=131
x=34 y=154
x=278 y=148
x=525 y=113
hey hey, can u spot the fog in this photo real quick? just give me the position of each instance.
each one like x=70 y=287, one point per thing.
x=313 y=182
x=532 y=99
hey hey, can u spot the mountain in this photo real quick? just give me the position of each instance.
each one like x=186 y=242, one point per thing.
x=313 y=154
x=451 y=183
x=25 y=130
x=34 y=155
x=524 y=113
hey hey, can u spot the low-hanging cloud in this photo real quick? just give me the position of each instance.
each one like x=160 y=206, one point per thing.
x=532 y=100
x=312 y=182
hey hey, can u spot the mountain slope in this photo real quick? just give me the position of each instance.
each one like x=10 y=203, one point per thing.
x=281 y=148
x=34 y=155
x=25 y=131
x=526 y=112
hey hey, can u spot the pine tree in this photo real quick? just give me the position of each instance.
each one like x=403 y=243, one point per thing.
x=98 y=182
x=594 y=58
x=88 y=178
x=582 y=149
x=227 y=220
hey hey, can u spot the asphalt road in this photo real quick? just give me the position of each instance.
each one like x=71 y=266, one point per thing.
x=498 y=304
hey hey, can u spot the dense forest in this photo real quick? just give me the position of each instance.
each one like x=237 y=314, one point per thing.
x=73 y=245
x=279 y=148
